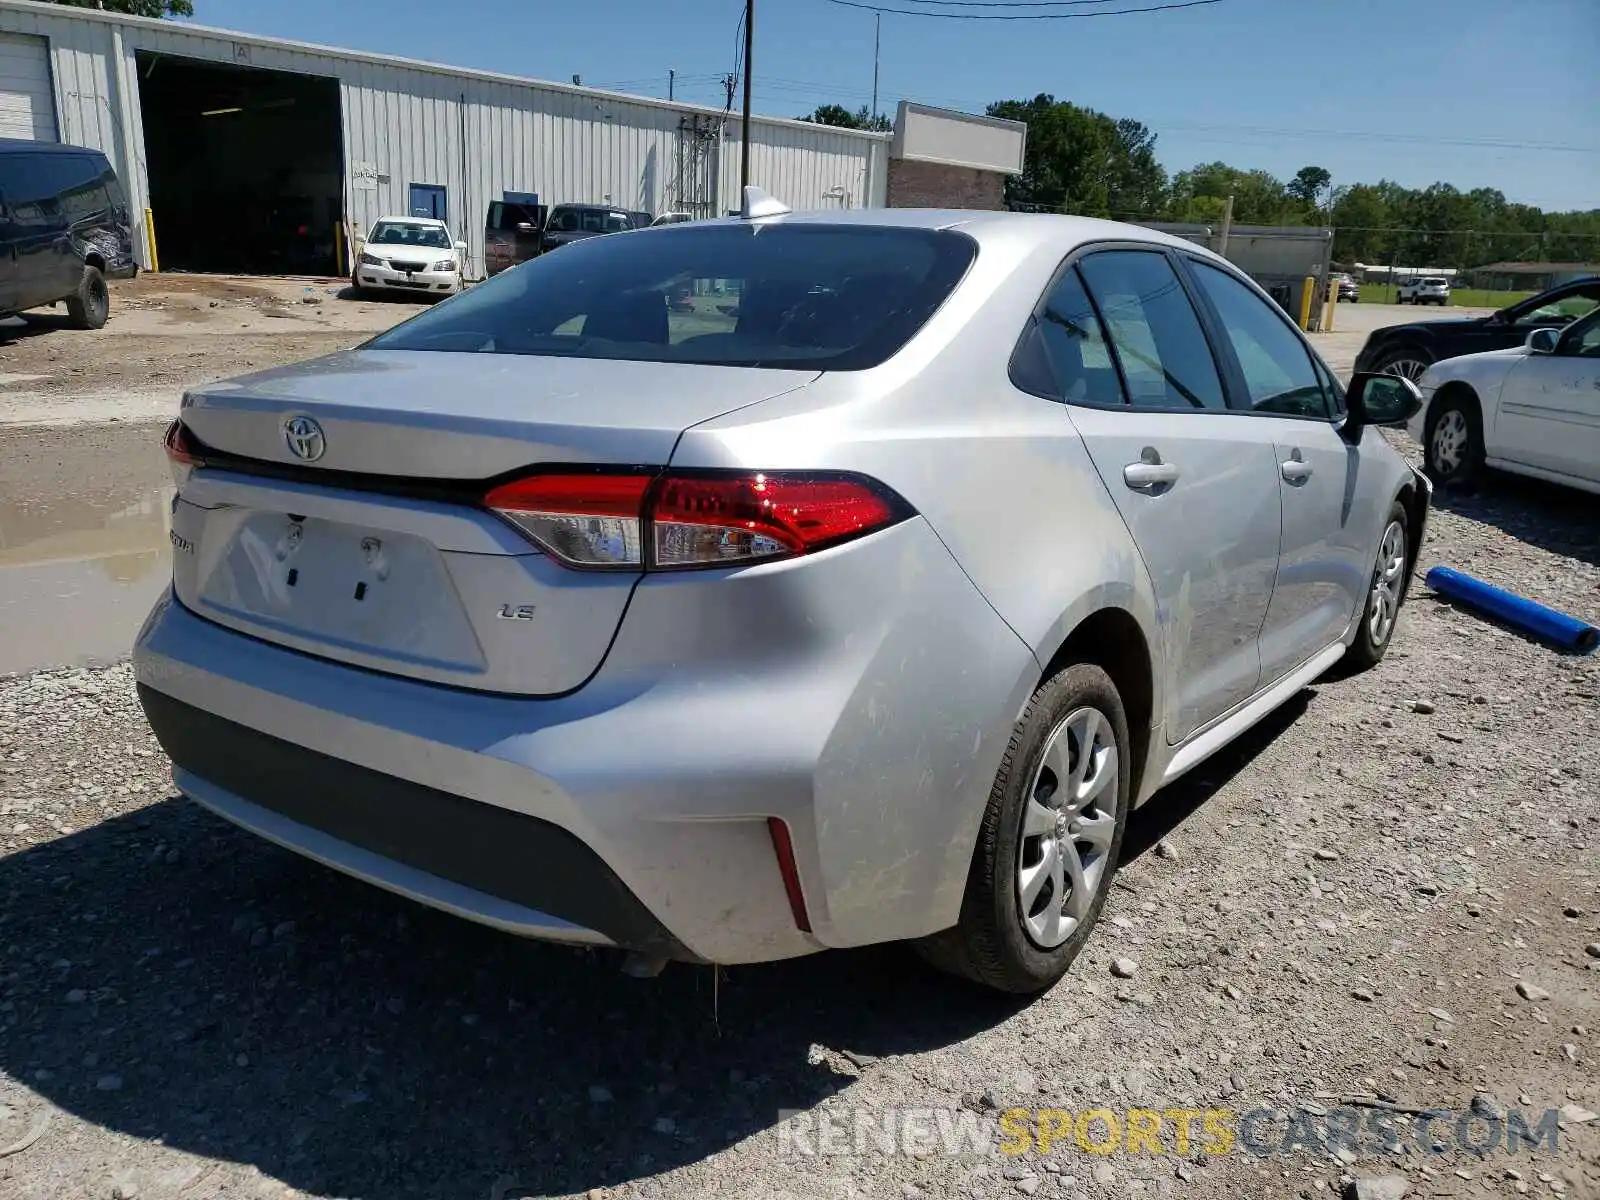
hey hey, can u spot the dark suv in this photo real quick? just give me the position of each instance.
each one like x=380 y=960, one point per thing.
x=574 y=222
x=64 y=228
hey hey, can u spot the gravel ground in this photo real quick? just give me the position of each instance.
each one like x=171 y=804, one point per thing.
x=1384 y=893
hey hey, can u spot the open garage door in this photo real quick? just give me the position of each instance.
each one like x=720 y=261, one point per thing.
x=27 y=101
x=245 y=166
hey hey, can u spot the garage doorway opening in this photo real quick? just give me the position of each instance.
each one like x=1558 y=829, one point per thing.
x=246 y=166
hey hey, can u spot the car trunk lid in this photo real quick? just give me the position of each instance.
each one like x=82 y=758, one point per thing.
x=371 y=545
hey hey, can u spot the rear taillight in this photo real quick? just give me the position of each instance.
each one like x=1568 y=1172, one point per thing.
x=183 y=454
x=675 y=521
x=592 y=521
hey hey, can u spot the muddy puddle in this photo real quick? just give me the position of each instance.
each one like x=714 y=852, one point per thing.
x=84 y=551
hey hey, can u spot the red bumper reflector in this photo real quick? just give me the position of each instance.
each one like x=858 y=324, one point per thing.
x=783 y=847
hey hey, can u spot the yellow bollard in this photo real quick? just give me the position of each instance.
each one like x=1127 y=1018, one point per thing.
x=1307 y=294
x=150 y=239
x=338 y=247
x=1330 y=302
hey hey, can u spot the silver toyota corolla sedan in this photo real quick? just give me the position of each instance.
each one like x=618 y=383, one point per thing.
x=739 y=589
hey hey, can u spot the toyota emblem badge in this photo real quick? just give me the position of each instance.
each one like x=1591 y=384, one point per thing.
x=305 y=438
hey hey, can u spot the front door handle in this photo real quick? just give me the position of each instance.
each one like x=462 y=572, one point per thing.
x=1295 y=469
x=1141 y=475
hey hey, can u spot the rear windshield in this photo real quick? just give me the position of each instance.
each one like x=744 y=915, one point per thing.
x=809 y=297
x=1431 y=282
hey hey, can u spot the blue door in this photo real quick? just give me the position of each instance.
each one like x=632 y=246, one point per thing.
x=427 y=200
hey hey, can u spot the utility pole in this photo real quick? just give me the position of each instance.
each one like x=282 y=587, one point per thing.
x=877 y=29
x=1227 y=226
x=744 y=125
x=672 y=80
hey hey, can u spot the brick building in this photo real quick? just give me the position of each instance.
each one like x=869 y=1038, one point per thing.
x=945 y=159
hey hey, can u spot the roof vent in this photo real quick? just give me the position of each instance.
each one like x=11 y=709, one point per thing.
x=757 y=203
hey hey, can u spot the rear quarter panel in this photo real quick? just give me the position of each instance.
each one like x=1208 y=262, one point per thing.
x=1001 y=476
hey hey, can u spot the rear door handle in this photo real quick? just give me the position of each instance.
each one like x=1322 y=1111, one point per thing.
x=1149 y=474
x=1296 y=469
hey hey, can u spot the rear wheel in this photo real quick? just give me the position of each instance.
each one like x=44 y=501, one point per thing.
x=1049 y=841
x=1452 y=445
x=90 y=305
x=1384 y=596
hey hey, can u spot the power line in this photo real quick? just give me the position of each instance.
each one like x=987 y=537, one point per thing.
x=1051 y=16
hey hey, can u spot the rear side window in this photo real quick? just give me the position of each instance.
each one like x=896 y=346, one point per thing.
x=809 y=297
x=1165 y=359
x=30 y=182
x=1276 y=364
x=1075 y=344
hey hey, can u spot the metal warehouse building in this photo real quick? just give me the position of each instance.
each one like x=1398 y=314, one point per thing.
x=251 y=154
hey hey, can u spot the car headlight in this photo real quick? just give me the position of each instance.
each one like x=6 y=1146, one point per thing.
x=444 y=264
x=370 y=260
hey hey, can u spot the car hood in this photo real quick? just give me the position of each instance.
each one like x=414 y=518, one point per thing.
x=1458 y=323
x=1467 y=360
x=577 y=235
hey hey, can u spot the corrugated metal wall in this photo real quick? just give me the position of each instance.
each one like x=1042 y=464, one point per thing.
x=475 y=134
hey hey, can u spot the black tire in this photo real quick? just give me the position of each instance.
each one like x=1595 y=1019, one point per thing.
x=989 y=944
x=1457 y=411
x=90 y=305
x=1372 y=643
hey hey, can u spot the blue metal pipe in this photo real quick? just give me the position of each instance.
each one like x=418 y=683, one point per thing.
x=1557 y=628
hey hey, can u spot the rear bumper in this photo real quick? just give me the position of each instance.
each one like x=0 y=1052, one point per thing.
x=864 y=696
x=388 y=831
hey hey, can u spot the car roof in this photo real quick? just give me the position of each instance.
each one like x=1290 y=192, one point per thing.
x=1053 y=230
x=397 y=220
x=18 y=145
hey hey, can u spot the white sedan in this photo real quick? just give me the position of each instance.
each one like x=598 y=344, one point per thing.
x=1532 y=410
x=410 y=254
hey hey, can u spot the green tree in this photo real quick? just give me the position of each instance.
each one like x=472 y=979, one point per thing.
x=1360 y=216
x=1082 y=161
x=841 y=117
x=1200 y=194
x=1308 y=184
x=137 y=8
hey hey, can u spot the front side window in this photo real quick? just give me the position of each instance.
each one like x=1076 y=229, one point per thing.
x=816 y=297
x=1277 y=367
x=1165 y=359
x=1583 y=339
x=1569 y=308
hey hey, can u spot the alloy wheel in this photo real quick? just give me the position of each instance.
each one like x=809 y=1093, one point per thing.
x=1068 y=823
x=1388 y=580
x=1407 y=368
x=1447 y=449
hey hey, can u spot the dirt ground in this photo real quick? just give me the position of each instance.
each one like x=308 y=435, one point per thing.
x=1386 y=900
x=168 y=332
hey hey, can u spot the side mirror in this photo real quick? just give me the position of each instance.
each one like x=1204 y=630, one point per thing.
x=1375 y=399
x=461 y=248
x=1543 y=341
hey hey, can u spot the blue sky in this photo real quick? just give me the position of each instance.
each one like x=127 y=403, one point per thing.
x=1495 y=93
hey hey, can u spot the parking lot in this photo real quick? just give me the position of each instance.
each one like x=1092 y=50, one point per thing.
x=186 y=1011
